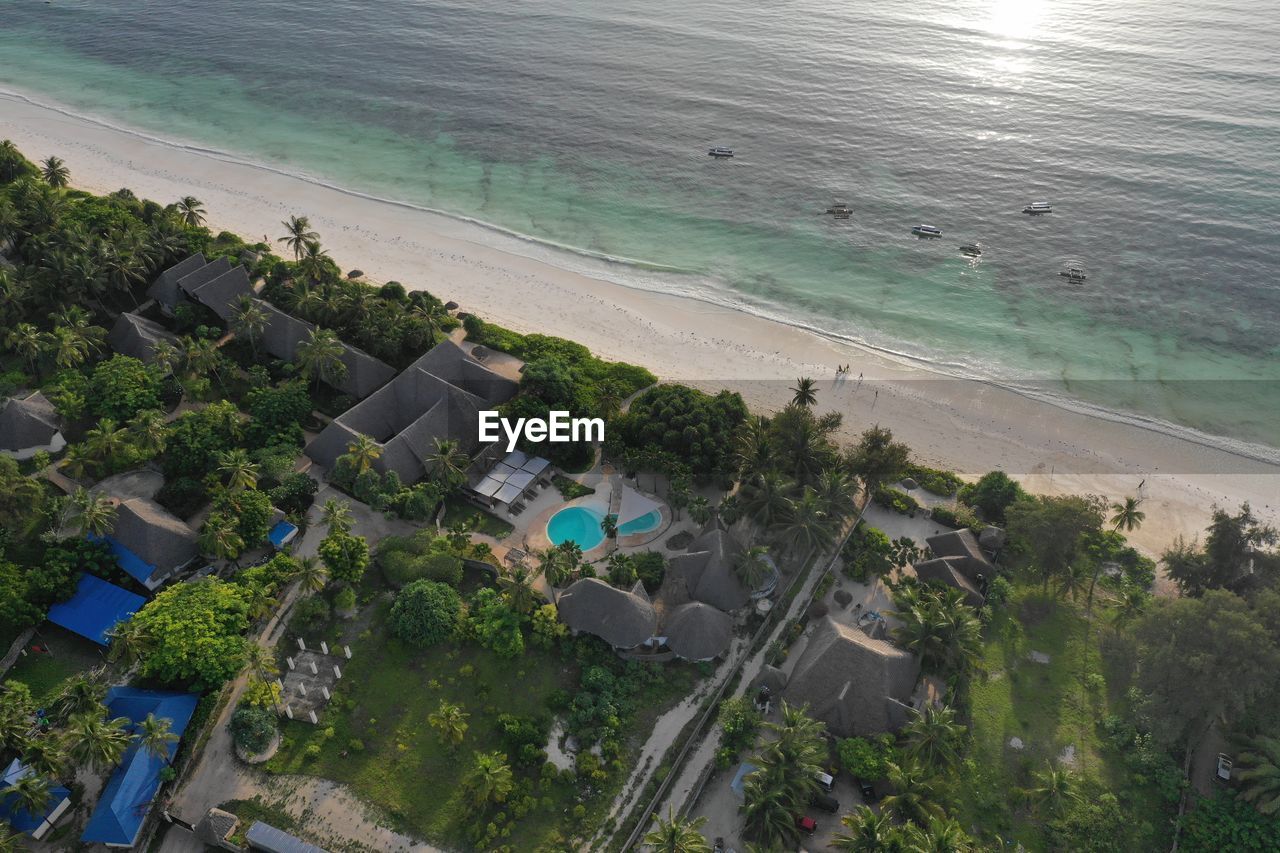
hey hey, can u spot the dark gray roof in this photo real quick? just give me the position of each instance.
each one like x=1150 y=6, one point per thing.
x=154 y=534
x=215 y=826
x=963 y=546
x=622 y=619
x=201 y=276
x=856 y=685
x=31 y=422
x=284 y=333
x=137 y=336
x=365 y=374
x=165 y=288
x=945 y=570
x=771 y=677
x=407 y=415
x=266 y=838
x=450 y=362
x=697 y=631
x=220 y=294
x=712 y=578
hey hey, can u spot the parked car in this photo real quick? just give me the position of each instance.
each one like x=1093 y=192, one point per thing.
x=825 y=802
x=826 y=780
x=868 y=791
x=1224 y=767
x=806 y=824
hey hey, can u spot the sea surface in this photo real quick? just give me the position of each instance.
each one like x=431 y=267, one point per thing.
x=1152 y=127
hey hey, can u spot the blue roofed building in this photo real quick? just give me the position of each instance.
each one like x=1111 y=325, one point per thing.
x=281 y=534
x=150 y=542
x=127 y=798
x=33 y=824
x=95 y=609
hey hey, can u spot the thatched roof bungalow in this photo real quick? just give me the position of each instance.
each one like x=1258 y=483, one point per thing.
x=136 y=336
x=697 y=631
x=946 y=571
x=962 y=547
x=622 y=619
x=30 y=425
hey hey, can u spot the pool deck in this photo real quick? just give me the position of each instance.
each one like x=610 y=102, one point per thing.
x=535 y=535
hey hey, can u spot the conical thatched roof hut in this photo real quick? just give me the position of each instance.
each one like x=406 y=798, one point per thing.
x=698 y=631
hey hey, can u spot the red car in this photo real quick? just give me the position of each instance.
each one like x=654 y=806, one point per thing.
x=806 y=824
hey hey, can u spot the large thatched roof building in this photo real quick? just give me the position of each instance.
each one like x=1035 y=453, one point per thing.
x=136 y=336
x=856 y=685
x=962 y=548
x=150 y=542
x=946 y=571
x=623 y=619
x=28 y=426
x=697 y=631
x=708 y=570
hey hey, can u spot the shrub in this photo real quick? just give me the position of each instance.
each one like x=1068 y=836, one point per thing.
x=865 y=758
x=960 y=516
x=650 y=567
x=867 y=553
x=896 y=500
x=941 y=483
x=425 y=612
x=252 y=728
x=312 y=612
x=295 y=494
x=345 y=600
x=123 y=386
x=992 y=495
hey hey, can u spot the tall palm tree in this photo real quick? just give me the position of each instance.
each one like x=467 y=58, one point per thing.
x=1054 y=789
x=55 y=172
x=729 y=510
x=91 y=513
x=149 y=431
x=699 y=510
x=129 y=642
x=753 y=567
x=240 y=471
x=80 y=694
x=311 y=574
x=108 y=442
x=314 y=263
x=165 y=356
x=767 y=811
x=1259 y=773
x=1126 y=516
x=320 y=358
x=97 y=743
x=559 y=564
x=753 y=451
x=517 y=588
x=200 y=357
x=867 y=832
x=675 y=834
x=806 y=392
x=336 y=514
x=838 y=493
x=913 y=797
x=26 y=342
x=447 y=463
x=220 y=539
x=155 y=735
x=45 y=754
x=298 y=234
x=489 y=779
x=249 y=321
x=932 y=736
x=806 y=525
x=258 y=600
x=938 y=836
x=68 y=348
x=191 y=211
x=450 y=722
x=941 y=630
x=31 y=793
x=765 y=499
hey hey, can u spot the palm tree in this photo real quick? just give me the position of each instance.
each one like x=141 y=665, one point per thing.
x=754 y=567
x=806 y=393
x=220 y=539
x=450 y=722
x=676 y=834
x=10 y=842
x=1054 y=789
x=932 y=735
x=46 y=755
x=249 y=321
x=240 y=471
x=362 y=452
x=311 y=574
x=1127 y=516
x=517 y=588
x=868 y=832
x=314 y=262
x=320 y=357
x=806 y=525
x=942 y=630
x=753 y=452
x=80 y=694
x=447 y=463
x=609 y=525
x=838 y=493
x=913 y=793
x=559 y=564
x=767 y=811
x=939 y=836
x=299 y=234
x=191 y=211
x=336 y=514
x=155 y=736
x=107 y=442
x=699 y=510
x=765 y=500
x=27 y=343
x=31 y=793
x=489 y=779
x=97 y=743
x=149 y=431
x=69 y=349
x=200 y=357
x=55 y=172
x=1260 y=776
x=729 y=510
x=258 y=600
x=128 y=642
x=91 y=513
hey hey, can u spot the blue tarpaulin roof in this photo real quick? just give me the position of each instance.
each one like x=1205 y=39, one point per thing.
x=138 y=568
x=127 y=797
x=281 y=533
x=19 y=818
x=95 y=609
x=265 y=837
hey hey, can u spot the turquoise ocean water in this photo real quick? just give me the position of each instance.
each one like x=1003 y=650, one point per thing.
x=1154 y=128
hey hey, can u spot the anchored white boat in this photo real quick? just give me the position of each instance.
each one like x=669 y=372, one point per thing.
x=1038 y=207
x=926 y=231
x=840 y=210
x=720 y=152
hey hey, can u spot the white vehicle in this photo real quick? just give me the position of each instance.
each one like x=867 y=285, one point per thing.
x=1224 y=767
x=1038 y=207
x=826 y=780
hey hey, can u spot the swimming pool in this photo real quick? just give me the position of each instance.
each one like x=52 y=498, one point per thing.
x=579 y=523
x=649 y=521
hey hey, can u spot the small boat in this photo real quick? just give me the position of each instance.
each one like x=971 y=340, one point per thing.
x=1074 y=273
x=1038 y=207
x=720 y=152
x=971 y=249
x=926 y=231
x=840 y=210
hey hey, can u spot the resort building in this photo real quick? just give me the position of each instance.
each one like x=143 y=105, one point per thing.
x=150 y=542
x=126 y=799
x=284 y=334
x=437 y=397
x=95 y=609
x=961 y=549
x=30 y=425
x=136 y=336
x=36 y=824
x=697 y=631
x=857 y=685
x=944 y=570
x=217 y=286
x=624 y=619
x=707 y=569
x=497 y=479
x=265 y=838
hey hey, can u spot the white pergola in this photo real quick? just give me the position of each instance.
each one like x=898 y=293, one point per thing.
x=512 y=478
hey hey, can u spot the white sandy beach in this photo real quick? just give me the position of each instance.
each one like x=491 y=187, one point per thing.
x=967 y=426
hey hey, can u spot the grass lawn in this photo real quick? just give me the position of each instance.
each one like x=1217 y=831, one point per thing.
x=1049 y=706
x=44 y=672
x=456 y=510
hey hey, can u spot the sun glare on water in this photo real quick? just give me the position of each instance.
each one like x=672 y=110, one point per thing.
x=1015 y=20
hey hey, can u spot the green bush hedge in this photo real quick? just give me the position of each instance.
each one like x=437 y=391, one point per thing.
x=895 y=500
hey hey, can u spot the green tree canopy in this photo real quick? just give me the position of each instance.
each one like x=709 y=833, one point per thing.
x=194 y=633
x=425 y=613
x=123 y=386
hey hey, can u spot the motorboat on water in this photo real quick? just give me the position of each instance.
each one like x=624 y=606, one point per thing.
x=840 y=210
x=1038 y=207
x=926 y=231
x=971 y=249
x=720 y=152
x=1074 y=273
